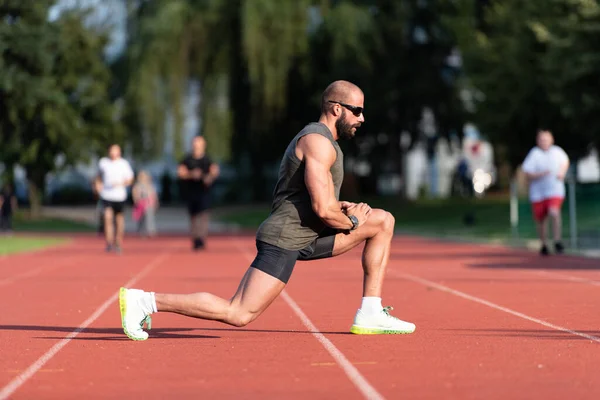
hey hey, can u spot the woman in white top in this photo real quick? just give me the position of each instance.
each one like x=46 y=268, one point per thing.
x=546 y=166
x=115 y=176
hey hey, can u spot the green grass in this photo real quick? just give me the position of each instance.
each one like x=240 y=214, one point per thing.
x=491 y=217
x=249 y=218
x=16 y=244
x=23 y=223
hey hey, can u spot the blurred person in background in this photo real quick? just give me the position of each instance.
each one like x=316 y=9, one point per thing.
x=115 y=175
x=145 y=203
x=546 y=167
x=198 y=173
x=8 y=205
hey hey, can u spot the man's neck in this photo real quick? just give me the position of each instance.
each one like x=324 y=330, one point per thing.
x=329 y=123
x=198 y=155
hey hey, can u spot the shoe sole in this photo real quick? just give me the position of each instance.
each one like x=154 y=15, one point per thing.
x=360 y=330
x=123 y=309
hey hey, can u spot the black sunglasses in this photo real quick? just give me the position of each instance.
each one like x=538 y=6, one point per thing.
x=357 y=111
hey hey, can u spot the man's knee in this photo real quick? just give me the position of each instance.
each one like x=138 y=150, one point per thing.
x=241 y=318
x=389 y=222
x=383 y=219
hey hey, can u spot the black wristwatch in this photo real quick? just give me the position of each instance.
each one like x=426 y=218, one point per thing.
x=354 y=221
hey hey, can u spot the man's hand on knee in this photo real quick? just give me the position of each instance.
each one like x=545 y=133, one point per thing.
x=361 y=211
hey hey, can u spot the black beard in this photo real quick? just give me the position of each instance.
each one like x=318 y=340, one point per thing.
x=344 y=129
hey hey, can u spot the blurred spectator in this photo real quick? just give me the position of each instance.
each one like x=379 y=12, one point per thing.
x=145 y=203
x=116 y=175
x=8 y=205
x=546 y=166
x=198 y=173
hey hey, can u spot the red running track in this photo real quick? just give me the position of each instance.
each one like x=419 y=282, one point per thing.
x=492 y=323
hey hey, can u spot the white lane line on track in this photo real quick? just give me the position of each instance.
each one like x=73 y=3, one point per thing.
x=22 y=378
x=475 y=299
x=353 y=374
x=569 y=278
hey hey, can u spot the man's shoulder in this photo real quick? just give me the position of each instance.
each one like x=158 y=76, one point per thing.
x=103 y=162
x=315 y=140
x=535 y=151
x=559 y=151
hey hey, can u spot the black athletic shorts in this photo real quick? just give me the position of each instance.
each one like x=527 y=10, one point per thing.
x=198 y=205
x=279 y=263
x=116 y=206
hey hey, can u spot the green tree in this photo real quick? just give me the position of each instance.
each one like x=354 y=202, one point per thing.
x=241 y=52
x=518 y=75
x=398 y=53
x=263 y=64
x=53 y=91
x=572 y=66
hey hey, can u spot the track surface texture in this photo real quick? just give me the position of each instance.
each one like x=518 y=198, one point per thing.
x=492 y=323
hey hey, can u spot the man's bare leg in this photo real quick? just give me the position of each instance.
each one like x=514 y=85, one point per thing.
x=541 y=229
x=109 y=232
x=376 y=233
x=197 y=229
x=120 y=223
x=556 y=219
x=203 y=221
x=195 y=225
x=255 y=293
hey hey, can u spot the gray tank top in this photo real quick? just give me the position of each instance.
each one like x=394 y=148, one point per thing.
x=292 y=223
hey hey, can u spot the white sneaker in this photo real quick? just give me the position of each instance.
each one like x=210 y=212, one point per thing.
x=380 y=323
x=133 y=316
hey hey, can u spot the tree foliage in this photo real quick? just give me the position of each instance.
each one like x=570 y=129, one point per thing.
x=261 y=66
x=528 y=66
x=53 y=91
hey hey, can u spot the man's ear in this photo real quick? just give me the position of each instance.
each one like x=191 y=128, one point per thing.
x=336 y=109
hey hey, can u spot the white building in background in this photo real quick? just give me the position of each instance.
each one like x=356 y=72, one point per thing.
x=418 y=175
x=588 y=168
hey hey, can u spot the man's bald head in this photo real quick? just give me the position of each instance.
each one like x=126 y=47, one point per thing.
x=341 y=91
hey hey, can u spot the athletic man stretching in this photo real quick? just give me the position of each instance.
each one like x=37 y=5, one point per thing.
x=307 y=222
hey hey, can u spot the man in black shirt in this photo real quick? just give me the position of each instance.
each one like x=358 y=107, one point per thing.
x=198 y=173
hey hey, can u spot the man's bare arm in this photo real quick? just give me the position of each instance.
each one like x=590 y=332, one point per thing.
x=97 y=184
x=182 y=172
x=319 y=155
x=213 y=174
x=562 y=172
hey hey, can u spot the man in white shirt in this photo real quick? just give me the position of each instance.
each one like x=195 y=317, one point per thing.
x=115 y=175
x=545 y=167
